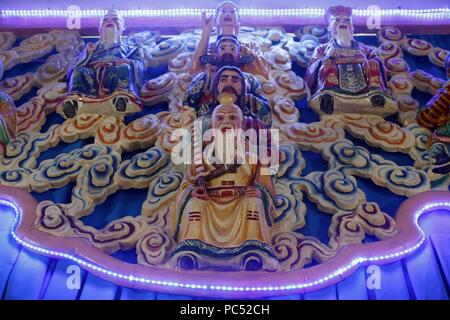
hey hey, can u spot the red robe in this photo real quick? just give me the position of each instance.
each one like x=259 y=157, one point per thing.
x=352 y=71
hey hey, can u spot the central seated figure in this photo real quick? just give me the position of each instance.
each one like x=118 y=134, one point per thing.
x=225 y=210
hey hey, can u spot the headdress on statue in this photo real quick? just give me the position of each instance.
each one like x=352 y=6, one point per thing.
x=210 y=59
x=338 y=11
x=232 y=38
x=113 y=14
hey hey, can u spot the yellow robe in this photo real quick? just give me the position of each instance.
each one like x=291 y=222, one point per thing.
x=226 y=221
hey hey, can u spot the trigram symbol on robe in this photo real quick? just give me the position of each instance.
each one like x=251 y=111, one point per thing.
x=252 y=215
x=195 y=216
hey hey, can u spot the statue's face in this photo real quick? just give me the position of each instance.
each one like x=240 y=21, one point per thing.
x=111 y=28
x=341 y=25
x=227 y=118
x=230 y=82
x=227 y=15
x=342 y=30
x=227 y=54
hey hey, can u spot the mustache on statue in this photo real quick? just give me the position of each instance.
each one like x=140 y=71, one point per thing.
x=230 y=89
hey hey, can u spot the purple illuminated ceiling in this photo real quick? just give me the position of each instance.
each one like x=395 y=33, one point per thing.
x=146 y=4
x=15 y=15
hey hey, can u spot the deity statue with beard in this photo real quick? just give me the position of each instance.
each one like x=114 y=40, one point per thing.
x=345 y=76
x=231 y=80
x=7 y=117
x=107 y=76
x=223 y=222
x=200 y=94
x=436 y=117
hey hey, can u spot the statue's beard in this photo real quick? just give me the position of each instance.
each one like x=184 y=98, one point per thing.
x=344 y=37
x=227 y=59
x=228 y=151
x=110 y=36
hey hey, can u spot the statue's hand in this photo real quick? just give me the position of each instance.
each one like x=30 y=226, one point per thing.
x=245 y=49
x=207 y=22
x=252 y=192
x=250 y=48
x=199 y=171
x=200 y=193
x=257 y=66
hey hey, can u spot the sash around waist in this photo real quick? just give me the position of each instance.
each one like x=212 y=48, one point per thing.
x=229 y=191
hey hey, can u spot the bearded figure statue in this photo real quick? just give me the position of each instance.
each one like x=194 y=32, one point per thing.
x=225 y=206
x=230 y=80
x=201 y=92
x=107 y=76
x=344 y=75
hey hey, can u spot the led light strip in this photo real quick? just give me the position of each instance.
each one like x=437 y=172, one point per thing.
x=249 y=12
x=169 y=283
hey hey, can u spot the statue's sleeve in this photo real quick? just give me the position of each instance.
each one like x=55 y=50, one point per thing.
x=80 y=60
x=265 y=184
x=257 y=101
x=137 y=59
x=262 y=178
x=312 y=70
x=138 y=54
x=255 y=88
x=195 y=93
x=370 y=53
x=435 y=111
